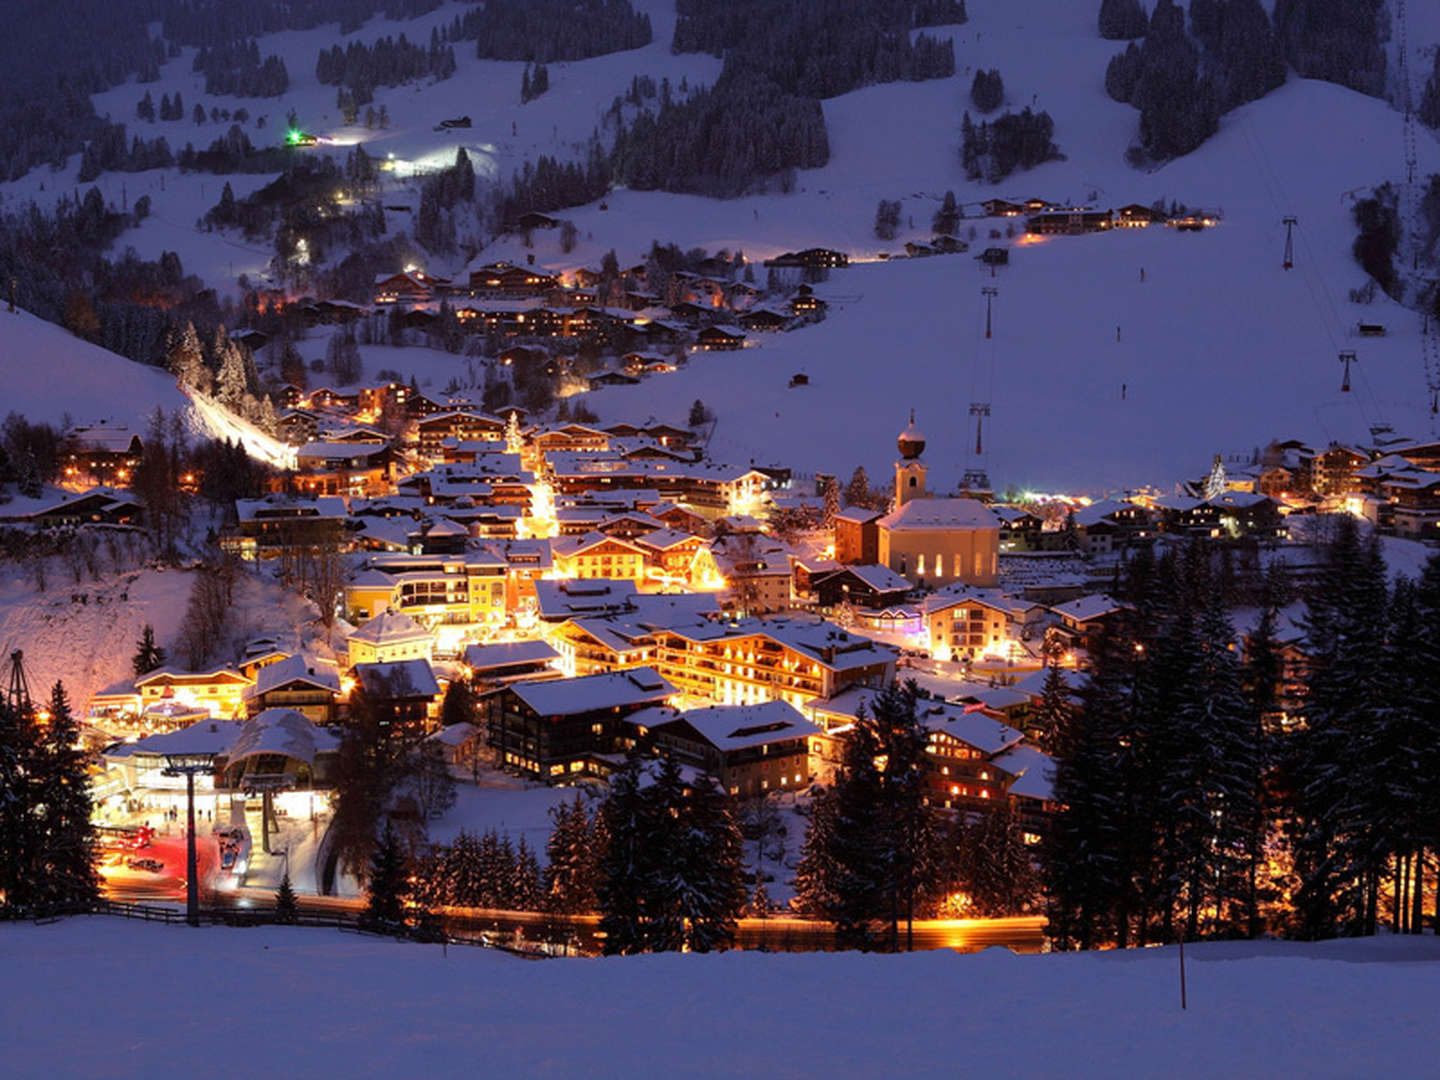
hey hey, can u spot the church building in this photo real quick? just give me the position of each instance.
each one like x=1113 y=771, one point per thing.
x=932 y=541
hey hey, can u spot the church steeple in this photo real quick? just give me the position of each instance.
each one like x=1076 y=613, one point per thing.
x=910 y=470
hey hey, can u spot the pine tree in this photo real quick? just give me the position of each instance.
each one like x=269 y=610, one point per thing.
x=714 y=893
x=947 y=218
x=287 y=908
x=996 y=870
x=230 y=382
x=1051 y=717
x=64 y=875
x=18 y=827
x=1121 y=20
x=526 y=891
x=148 y=655
x=699 y=415
x=387 y=886
x=569 y=875
x=857 y=492
x=625 y=865
x=662 y=876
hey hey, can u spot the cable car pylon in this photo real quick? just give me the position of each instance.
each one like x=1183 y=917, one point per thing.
x=1347 y=358
x=1289 y=223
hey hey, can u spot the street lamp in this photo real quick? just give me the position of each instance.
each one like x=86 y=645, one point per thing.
x=190 y=766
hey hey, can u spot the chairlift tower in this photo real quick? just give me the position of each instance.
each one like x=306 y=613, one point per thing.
x=989 y=292
x=1289 y=223
x=17 y=692
x=1347 y=358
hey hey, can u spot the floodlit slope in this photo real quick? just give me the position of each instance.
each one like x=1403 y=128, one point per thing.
x=323 y=1002
x=49 y=373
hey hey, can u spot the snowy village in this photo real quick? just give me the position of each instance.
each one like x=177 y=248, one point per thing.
x=502 y=503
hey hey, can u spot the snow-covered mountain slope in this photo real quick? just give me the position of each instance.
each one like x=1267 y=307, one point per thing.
x=1219 y=350
x=48 y=373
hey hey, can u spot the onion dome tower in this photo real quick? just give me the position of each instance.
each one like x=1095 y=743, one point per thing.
x=910 y=469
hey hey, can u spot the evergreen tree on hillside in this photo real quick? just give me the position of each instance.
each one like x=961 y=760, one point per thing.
x=64 y=874
x=1051 y=717
x=1122 y=20
x=387 y=885
x=148 y=655
x=947 y=218
x=987 y=91
x=714 y=894
x=525 y=891
x=1428 y=108
x=18 y=833
x=287 y=908
x=996 y=870
x=857 y=491
x=625 y=865
x=1336 y=40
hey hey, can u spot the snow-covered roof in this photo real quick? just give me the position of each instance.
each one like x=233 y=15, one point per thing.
x=879 y=577
x=281 y=731
x=294 y=669
x=819 y=641
x=607 y=690
x=1088 y=607
x=453 y=735
x=1033 y=684
x=562 y=599
x=859 y=515
x=390 y=628
x=282 y=507
x=1033 y=769
x=664 y=539
x=206 y=737
x=968 y=725
x=927 y=514
x=505 y=653
x=738 y=727
x=402 y=678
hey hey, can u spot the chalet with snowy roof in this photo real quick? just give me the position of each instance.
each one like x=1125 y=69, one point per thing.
x=389 y=636
x=533 y=219
x=1002 y=208
x=753 y=660
x=561 y=600
x=629 y=525
x=750 y=749
x=311 y=688
x=596 y=555
x=444 y=593
x=963 y=623
x=1111 y=525
x=806 y=304
x=406 y=287
x=1135 y=216
x=220 y=691
x=1030 y=789
x=1068 y=222
x=267 y=526
x=760 y=576
x=460 y=425
x=994 y=256
x=719 y=339
x=571 y=436
x=562 y=730
x=1331 y=472
x=763 y=320
x=811 y=259
x=492 y=667
x=98 y=506
x=1082 y=620
x=103 y=454
x=612 y=378
x=959 y=767
x=298 y=426
x=870 y=586
x=679 y=558
x=1019 y=529
x=402 y=695
x=343 y=468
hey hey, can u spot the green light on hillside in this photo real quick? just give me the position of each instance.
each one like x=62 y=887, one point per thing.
x=292 y=137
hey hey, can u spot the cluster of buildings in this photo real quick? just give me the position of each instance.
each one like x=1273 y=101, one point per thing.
x=706 y=308
x=1044 y=218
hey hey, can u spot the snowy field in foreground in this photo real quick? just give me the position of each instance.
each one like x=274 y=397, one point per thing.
x=101 y=997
